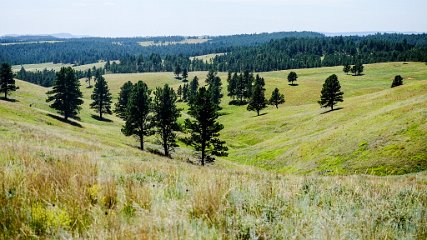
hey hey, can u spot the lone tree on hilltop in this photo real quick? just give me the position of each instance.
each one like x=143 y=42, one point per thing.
x=331 y=92
x=137 y=114
x=165 y=117
x=7 y=83
x=66 y=94
x=257 y=100
x=122 y=101
x=292 y=77
x=277 y=98
x=398 y=80
x=101 y=96
x=204 y=128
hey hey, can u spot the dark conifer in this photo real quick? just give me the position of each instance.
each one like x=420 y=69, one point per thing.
x=165 y=117
x=292 y=77
x=122 y=101
x=66 y=94
x=101 y=96
x=331 y=92
x=398 y=80
x=7 y=83
x=204 y=128
x=137 y=115
x=257 y=101
x=277 y=98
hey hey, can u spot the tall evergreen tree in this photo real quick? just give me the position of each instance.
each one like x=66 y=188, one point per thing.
x=101 y=96
x=398 y=80
x=204 y=128
x=165 y=117
x=179 y=92
x=88 y=77
x=257 y=101
x=232 y=85
x=185 y=93
x=66 y=94
x=138 y=122
x=185 y=74
x=194 y=85
x=331 y=92
x=214 y=87
x=292 y=77
x=7 y=83
x=277 y=98
x=122 y=101
x=177 y=71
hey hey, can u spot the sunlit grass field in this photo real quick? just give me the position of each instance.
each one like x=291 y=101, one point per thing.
x=88 y=180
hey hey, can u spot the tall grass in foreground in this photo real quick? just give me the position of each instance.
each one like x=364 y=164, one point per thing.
x=63 y=195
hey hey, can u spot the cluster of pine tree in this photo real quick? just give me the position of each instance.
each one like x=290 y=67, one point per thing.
x=145 y=116
x=356 y=69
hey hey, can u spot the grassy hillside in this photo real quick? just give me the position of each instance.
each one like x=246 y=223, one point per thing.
x=87 y=180
x=378 y=130
x=56 y=66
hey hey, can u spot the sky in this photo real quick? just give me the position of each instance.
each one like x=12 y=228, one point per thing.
x=129 y=18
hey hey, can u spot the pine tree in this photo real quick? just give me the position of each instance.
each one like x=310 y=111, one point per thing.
x=398 y=80
x=138 y=122
x=185 y=74
x=257 y=101
x=185 y=93
x=357 y=69
x=194 y=85
x=66 y=94
x=177 y=71
x=179 y=92
x=7 y=83
x=204 y=128
x=101 y=96
x=214 y=87
x=277 y=98
x=165 y=117
x=88 y=77
x=122 y=101
x=232 y=85
x=292 y=77
x=331 y=92
x=346 y=69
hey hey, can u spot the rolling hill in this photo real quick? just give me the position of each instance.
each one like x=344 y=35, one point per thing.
x=87 y=180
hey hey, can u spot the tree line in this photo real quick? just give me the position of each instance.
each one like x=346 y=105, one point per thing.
x=89 y=50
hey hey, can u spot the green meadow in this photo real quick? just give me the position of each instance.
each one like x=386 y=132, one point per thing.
x=87 y=180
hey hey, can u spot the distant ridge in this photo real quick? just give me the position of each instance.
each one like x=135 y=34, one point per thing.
x=54 y=35
x=334 y=34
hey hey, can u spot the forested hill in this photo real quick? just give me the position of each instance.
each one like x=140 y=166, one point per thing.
x=290 y=53
x=39 y=49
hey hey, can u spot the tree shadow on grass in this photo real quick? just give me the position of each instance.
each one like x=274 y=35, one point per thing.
x=293 y=84
x=8 y=100
x=335 y=109
x=261 y=114
x=73 y=123
x=96 y=117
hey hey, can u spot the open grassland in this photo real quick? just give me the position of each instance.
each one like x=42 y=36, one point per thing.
x=56 y=66
x=208 y=57
x=185 y=41
x=87 y=180
x=379 y=130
